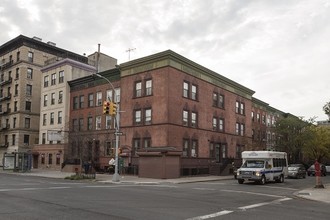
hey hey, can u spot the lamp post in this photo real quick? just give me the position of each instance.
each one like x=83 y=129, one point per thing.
x=115 y=177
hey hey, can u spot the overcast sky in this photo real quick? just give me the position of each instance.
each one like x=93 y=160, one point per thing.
x=278 y=48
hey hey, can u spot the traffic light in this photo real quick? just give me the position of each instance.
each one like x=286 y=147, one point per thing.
x=113 y=108
x=106 y=107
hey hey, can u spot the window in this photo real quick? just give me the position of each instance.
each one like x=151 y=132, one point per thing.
x=27 y=123
x=52 y=98
x=42 y=158
x=223 y=150
x=81 y=124
x=221 y=101
x=60 y=97
x=252 y=116
x=52 y=118
x=98 y=123
x=50 y=158
x=240 y=129
x=263 y=119
x=61 y=77
x=194 y=149
x=214 y=123
x=136 y=145
x=43 y=138
x=137 y=117
x=240 y=108
x=98 y=99
x=13 y=142
x=258 y=117
x=44 y=119
x=109 y=149
x=148 y=87
x=30 y=57
x=26 y=139
x=117 y=93
x=16 y=90
x=90 y=100
x=17 y=73
x=75 y=102
x=185 y=148
x=81 y=101
x=28 y=90
x=15 y=106
x=108 y=122
x=90 y=123
x=59 y=117
x=45 y=100
x=18 y=54
x=194 y=119
x=194 y=92
x=46 y=80
x=29 y=73
x=221 y=124
x=138 y=89
x=147 y=142
x=53 y=79
x=218 y=100
x=109 y=95
x=185 y=89
x=58 y=159
x=185 y=117
x=147 y=116
x=211 y=150
x=75 y=124
x=14 y=122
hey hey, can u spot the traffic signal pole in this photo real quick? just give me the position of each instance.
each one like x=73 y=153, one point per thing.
x=116 y=176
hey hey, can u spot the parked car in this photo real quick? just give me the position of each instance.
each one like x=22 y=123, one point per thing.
x=311 y=170
x=296 y=171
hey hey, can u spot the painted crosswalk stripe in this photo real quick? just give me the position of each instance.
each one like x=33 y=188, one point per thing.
x=213 y=215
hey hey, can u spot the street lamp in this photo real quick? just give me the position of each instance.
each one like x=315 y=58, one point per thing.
x=115 y=177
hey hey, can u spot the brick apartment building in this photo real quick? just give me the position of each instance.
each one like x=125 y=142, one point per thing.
x=20 y=79
x=168 y=104
x=27 y=65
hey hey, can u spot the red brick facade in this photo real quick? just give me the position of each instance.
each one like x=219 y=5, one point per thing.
x=178 y=110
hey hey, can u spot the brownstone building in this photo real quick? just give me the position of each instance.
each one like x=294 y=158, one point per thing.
x=168 y=104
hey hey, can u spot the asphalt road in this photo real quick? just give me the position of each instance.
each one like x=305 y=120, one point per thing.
x=28 y=197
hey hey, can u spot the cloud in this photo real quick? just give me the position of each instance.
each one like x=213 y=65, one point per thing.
x=277 y=48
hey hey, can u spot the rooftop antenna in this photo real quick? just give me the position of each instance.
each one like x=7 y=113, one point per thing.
x=129 y=52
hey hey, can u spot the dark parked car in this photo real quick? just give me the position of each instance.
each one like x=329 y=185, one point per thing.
x=311 y=170
x=296 y=171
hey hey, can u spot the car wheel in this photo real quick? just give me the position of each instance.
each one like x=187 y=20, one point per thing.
x=263 y=180
x=240 y=181
x=281 y=179
x=304 y=176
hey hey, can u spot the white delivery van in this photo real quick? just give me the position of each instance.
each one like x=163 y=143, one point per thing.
x=263 y=166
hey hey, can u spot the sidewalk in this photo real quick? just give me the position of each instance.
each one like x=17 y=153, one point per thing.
x=318 y=194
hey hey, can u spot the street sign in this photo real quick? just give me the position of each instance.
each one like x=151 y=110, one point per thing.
x=119 y=133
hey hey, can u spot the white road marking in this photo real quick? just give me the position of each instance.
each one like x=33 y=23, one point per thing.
x=213 y=215
x=263 y=203
x=252 y=193
x=253 y=206
x=206 y=189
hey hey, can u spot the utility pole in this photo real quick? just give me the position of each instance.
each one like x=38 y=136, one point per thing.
x=129 y=52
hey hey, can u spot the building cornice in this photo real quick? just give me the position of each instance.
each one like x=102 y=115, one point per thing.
x=67 y=61
x=22 y=40
x=91 y=81
x=172 y=59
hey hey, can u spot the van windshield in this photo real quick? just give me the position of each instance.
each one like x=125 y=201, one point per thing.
x=253 y=164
